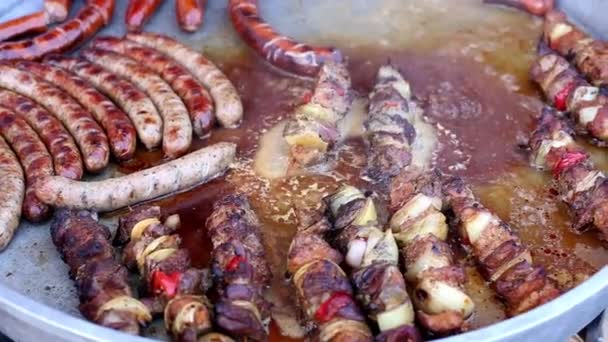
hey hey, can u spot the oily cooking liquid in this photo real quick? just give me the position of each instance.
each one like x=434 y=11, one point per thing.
x=469 y=72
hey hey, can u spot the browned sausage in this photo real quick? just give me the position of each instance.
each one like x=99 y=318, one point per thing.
x=118 y=127
x=90 y=137
x=195 y=96
x=31 y=23
x=66 y=157
x=57 y=10
x=138 y=12
x=34 y=157
x=280 y=51
x=133 y=101
x=190 y=14
x=89 y=20
x=536 y=7
x=177 y=131
x=11 y=196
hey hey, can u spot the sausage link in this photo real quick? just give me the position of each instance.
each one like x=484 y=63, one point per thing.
x=280 y=51
x=92 y=141
x=57 y=10
x=118 y=127
x=66 y=157
x=34 y=157
x=195 y=96
x=11 y=196
x=138 y=12
x=227 y=101
x=31 y=23
x=126 y=95
x=190 y=14
x=177 y=131
x=63 y=37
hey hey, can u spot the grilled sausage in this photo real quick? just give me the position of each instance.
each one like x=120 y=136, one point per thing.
x=89 y=20
x=177 y=132
x=127 y=96
x=280 y=51
x=535 y=7
x=190 y=14
x=90 y=137
x=57 y=10
x=138 y=12
x=34 y=157
x=177 y=175
x=11 y=196
x=195 y=96
x=229 y=110
x=66 y=157
x=31 y=23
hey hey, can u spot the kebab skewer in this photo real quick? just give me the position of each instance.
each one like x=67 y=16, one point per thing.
x=373 y=256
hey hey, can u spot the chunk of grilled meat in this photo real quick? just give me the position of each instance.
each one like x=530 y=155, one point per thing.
x=240 y=269
x=324 y=292
x=589 y=55
x=389 y=128
x=373 y=256
x=313 y=128
x=502 y=259
x=566 y=90
x=173 y=286
x=105 y=295
x=581 y=185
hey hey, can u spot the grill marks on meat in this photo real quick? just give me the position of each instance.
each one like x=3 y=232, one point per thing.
x=105 y=296
x=312 y=130
x=420 y=228
x=280 y=51
x=589 y=55
x=389 y=125
x=240 y=269
x=12 y=184
x=566 y=90
x=503 y=260
x=174 y=287
x=323 y=290
x=373 y=256
x=581 y=185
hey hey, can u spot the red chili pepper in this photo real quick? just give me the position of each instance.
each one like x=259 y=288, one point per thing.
x=166 y=283
x=331 y=306
x=561 y=98
x=235 y=262
x=568 y=160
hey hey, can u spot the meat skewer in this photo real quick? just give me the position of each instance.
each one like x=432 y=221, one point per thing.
x=119 y=129
x=535 y=7
x=175 y=289
x=566 y=90
x=190 y=14
x=313 y=128
x=126 y=95
x=60 y=144
x=57 y=10
x=373 y=256
x=102 y=284
x=139 y=12
x=92 y=17
x=419 y=226
x=12 y=184
x=503 y=260
x=589 y=55
x=195 y=96
x=177 y=129
x=581 y=185
x=115 y=193
x=229 y=109
x=35 y=160
x=323 y=290
x=280 y=51
x=240 y=269
x=90 y=138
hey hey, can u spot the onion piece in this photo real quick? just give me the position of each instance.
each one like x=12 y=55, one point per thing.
x=401 y=315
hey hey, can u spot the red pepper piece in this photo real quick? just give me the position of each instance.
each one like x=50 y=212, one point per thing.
x=328 y=309
x=561 y=98
x=307 y=97
x=166 y=283
x=568 y=160
x=235 y=262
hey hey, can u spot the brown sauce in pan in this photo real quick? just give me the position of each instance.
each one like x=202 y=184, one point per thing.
x=474 y=88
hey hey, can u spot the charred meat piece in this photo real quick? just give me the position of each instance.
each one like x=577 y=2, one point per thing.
x=581 y=185
x=240 y=269
x=105 y=295
x=373 y=257
x=503 y=260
